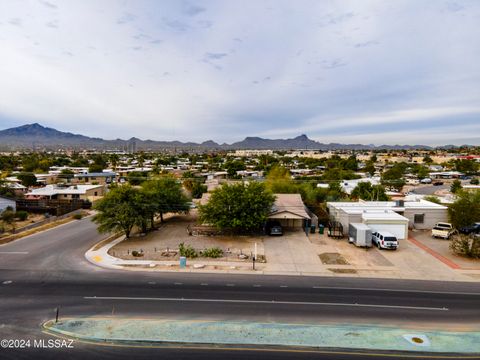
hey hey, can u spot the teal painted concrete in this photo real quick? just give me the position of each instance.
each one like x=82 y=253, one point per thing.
x=216 y=332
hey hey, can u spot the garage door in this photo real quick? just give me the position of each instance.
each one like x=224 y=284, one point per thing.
x=396 y=229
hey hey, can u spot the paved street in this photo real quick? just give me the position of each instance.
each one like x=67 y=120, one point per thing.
x=47 y=270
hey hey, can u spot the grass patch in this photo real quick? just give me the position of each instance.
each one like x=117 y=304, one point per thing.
x=333 y=259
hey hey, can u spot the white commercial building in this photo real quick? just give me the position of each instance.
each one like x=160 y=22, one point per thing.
x=421 y=214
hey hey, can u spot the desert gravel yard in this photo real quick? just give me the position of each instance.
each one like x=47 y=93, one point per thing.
x=154 y=245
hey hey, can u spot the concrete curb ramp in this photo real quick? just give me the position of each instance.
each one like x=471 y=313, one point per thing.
x=365 y=337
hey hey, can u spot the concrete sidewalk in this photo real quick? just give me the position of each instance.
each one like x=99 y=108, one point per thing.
x=367 y=337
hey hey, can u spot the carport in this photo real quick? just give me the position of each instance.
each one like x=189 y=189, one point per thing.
x=289 y=211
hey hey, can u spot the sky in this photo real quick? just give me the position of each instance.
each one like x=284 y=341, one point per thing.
x=369 y=71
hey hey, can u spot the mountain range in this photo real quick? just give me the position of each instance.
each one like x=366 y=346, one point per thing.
x=38 y=137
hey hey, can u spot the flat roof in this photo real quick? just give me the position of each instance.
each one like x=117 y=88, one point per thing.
x=51 y=190
x=391 y=215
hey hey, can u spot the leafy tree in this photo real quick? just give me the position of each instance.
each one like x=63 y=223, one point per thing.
x=466 y=166
x=279 y=181
x=117 y=211
x=432 y=198
x=198 y=189
x=137 y=177
x=99 y=163
x=239 y=207
x=233 y=166
x=8 y=217
x=393 y=177
x=367 y=191
x=456 y=186
x=27 y=178
x=351 y=163
x=369 y=167
x=466 y=209
x=166 y=196
x=427 y=159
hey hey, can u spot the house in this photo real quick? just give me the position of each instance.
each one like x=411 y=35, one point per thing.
x=55 y=192
x=290 y=211
x=421 y=214
x=95 y=178
x=7 y=203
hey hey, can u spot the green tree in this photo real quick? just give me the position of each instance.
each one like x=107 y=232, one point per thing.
x=99 y=163
x=8 y=217
x=233 y=166
x=137 y=177
x=27 y=178
x=393 y=177
x=369 y=167
x=367 y=191
x=466 y=166
x=433 y=198
x=279 y=181
x=466 y=209
x=456 y=186
x=239 y=207
x=117 y=211
x=166 y=196
x=427 y=159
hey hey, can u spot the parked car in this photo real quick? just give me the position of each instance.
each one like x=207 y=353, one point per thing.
x=275 y=229
x=438 y=183
x=471 y=229
x=443 y=230
x=426 y=181
x=385 y=240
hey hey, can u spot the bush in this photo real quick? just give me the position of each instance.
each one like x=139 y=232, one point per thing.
x=77 y=216
x=465 y=245
x=214 y=252
x=21 y=215
x=136 y=253
x=187 y=251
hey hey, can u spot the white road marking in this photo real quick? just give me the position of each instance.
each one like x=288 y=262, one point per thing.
x=14 y=252
x=268 y=302
x=257 y=285
x=177 y=283
x=397 y=290
x=204 y=284
x=230 y=284
x=283 y=286
x=152 y=282
x=6 y=282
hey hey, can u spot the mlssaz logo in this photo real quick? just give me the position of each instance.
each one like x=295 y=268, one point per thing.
x=53 y=343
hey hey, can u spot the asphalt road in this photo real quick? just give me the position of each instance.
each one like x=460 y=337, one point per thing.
x=48 y=270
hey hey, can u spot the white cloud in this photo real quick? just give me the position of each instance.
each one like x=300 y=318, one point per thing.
x=225 y=70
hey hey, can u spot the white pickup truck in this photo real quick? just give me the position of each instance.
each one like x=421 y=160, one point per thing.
x=443 y=230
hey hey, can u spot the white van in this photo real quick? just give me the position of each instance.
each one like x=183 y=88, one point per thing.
x=385 y=240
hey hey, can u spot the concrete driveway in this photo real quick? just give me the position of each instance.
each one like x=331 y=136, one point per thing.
x=291 y=253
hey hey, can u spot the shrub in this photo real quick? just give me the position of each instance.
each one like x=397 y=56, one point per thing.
x=187 y=251
x=77 y=216
x=136 y=253
x=21 y=215
x=213 y=252
x=465 y=245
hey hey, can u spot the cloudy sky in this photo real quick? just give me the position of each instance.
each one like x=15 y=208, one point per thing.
x=381 y=72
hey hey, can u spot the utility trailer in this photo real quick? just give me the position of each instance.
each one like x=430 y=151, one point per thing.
x=335 y=229
x=360 y=235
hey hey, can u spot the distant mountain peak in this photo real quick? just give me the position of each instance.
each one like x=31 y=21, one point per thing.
x=39 y=136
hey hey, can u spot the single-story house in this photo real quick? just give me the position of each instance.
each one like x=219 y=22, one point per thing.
x=82 y=192
x=288 y=209
x=421 y=214
x=98 y=178
x=6 y=202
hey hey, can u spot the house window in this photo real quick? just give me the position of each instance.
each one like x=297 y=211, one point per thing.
x=419 y=218
x=95 y=194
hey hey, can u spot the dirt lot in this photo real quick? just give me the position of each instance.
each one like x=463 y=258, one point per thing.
x=32 y=218
x=163 y=243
